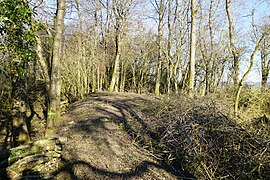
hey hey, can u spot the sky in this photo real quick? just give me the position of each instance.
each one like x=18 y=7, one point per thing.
x=261 y=10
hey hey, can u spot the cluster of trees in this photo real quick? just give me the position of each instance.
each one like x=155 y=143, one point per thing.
x=156 y=46
x=23 y=64
x=169 y=46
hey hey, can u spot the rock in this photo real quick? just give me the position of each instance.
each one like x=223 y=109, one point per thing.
x=36 y=160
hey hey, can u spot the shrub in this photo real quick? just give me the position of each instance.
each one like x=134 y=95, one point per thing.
x=194 y=135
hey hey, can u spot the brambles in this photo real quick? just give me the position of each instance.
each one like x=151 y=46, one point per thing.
x=194 y=135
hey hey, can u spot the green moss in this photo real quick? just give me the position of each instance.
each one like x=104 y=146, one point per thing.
x=99 y=143
x=17 y=152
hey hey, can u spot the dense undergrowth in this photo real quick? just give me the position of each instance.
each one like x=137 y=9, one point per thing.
x=201 y=135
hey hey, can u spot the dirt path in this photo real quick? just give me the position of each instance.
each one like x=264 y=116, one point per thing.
x=101 y=131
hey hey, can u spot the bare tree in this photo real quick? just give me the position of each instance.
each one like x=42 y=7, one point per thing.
x=251 y=61
x=121 y=10
x=265 y=60
x=54 y=110
x=192 y=48
x=160 y=10
x=233 y=47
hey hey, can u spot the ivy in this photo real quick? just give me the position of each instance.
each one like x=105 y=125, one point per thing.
x=18 y=31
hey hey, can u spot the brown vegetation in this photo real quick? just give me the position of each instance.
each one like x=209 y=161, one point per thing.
x=126 y=135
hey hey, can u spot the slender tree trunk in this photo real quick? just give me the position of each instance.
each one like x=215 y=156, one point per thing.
x=192 y=49
x=212 y=60
x=115 y=75
x=101 y=82
x=207 y=79
x=55 y=79
x=161 y=12
x=158 y=76
x=169 y=45
x=175 y=71
x=98 y=79
x=241 y=83
x=219 y=75
x=265 y=66
x=169 y=83
x=232 y=45
x=95 y=53
x=142 y=79
x=44 y=72
x=134 y=77
x=184 y=80
x=122 y=78
x=80 y=84
x=42 y=63
x=140 y=83
x=93 y=80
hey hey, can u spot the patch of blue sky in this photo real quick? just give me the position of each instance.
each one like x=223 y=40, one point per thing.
x=260 y=10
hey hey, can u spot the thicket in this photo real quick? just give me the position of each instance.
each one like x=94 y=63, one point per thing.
x=201 y=136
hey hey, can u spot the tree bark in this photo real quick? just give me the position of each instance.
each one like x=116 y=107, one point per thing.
x=161 y=12
x=115 y=75
x=54 y=109
x=232 y=45
x=121 y=11
x=192 y=49
x=241 y=83
x=80 y=86
x=123 y=77
x=265 y=65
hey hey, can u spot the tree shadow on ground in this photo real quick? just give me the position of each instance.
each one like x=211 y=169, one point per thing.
x=94 y=172
x=124 y=113
x=32 y=175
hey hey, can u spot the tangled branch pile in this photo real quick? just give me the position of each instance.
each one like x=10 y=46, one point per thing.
x=195 y=136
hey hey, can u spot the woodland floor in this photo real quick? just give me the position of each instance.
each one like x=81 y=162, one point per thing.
x=117 y=136
x=101 y=132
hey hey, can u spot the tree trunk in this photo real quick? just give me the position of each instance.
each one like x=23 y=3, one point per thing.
x=161 y=12
x=54 y=109
x=212 y=61
x=115 y=75
x=93 y=79
x=241 y=83
x=118 y=44
x=207 y=79
x=98 y=79
x=265 y=66
x=192 y=49
x=141 y=78
x=123 y=78
x=20 y=131
x=158 y=74
x=232 y=45
x=175 y=71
